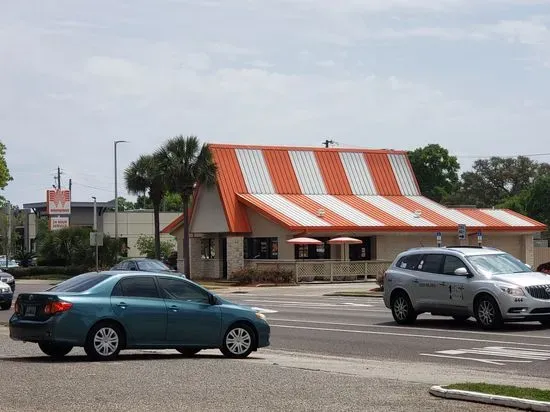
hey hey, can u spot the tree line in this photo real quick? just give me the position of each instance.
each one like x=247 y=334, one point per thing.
x=518 y=183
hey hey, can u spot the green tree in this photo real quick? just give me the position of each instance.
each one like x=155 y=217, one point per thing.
x=146 y=246
x=124 y=204
x=498 y=180
x=187 y=163
x=537 y=205
x=170 y=203
x=5 y=176
x=145 y=176
x=436 y=171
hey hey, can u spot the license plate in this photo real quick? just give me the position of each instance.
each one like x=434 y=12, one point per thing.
x=30 y=311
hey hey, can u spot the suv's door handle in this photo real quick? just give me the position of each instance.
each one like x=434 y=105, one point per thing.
x=174 y=308
x=122 y=305
x=415 y=281
x=442 y=284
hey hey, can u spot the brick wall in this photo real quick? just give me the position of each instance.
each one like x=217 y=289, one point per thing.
x=235 y=254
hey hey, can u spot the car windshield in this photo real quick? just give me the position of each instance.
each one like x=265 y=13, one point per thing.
x=79 y=283
x=152 y=265
x=498 y=264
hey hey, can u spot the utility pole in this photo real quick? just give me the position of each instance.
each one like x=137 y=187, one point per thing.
x=8 y=245
x=327 y=142
x=58 y=177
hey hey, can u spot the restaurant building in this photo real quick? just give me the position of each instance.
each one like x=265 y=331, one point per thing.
x=267 y=195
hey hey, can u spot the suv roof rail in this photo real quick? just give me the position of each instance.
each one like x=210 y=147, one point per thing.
x=465 y=247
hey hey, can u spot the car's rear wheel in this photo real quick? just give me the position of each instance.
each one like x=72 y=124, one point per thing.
x=55 y=350
x=5 y=306
x=238 y=341
x=461 y=318
x=487 y=313
x=104 y=342
x=188 y=351
x=402 y=309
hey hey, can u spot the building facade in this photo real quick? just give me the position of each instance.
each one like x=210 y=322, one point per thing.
x=266 y=195
x=131 y=224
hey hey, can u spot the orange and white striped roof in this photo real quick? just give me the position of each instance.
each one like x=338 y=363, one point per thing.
x=318 y=189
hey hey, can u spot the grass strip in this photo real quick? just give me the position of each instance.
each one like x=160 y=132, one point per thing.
x=504 y=390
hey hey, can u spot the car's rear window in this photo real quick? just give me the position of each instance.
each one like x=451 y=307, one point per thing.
x=80 y=283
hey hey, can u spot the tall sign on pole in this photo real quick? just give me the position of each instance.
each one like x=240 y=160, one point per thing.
x=58 y=207
x=438 y=237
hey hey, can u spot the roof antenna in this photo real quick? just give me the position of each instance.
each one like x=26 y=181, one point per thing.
x=327 y=142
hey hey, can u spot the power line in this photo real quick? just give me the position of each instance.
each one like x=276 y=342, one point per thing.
x=503 y=156
x=92 y=187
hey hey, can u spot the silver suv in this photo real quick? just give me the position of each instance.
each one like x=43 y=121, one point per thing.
x=489 y=284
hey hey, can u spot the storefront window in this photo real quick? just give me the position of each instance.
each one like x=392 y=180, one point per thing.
x=208 y=248
x=313 y=251
x=261 y=248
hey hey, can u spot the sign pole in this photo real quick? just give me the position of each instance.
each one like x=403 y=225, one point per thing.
x=438 y=237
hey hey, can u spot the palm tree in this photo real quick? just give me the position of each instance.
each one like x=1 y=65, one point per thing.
x=187 y=164
x=145 y=175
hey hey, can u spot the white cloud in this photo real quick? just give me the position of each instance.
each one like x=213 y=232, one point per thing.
x=74 y=78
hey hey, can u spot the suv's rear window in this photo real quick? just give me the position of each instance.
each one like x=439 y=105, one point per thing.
x=409 y=262
x=79 y=283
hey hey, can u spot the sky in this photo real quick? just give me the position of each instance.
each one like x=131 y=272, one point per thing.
x=75 y=75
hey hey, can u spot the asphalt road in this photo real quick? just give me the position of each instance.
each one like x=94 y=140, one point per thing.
x=327 y=353
x=364 y=328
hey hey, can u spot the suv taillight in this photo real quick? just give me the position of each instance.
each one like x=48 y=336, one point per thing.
x=17 y=308
x=57 y=307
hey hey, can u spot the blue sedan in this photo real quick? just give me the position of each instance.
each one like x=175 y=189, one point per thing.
x=107 y=312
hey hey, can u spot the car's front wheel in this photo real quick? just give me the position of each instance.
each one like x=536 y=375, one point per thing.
x=5 y=306
x=55 y=350
x=188 y=352
x=104 y=342
x=487 y=313
x=238 y=341
x=402 y=309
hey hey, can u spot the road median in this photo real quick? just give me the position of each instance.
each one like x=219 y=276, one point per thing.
x=358 y=293
x=529 y=399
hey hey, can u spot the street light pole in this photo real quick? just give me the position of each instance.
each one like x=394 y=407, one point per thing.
x=116 y=190
x=95 y=234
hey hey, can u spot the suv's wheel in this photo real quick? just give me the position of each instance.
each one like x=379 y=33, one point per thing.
x=188 y=352
x=402 y=309
x=238 y=341
x=55 y=350
x=5 y=306
x=104 y=342
x=487 y=313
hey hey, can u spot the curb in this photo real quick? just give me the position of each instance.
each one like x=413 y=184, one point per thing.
x=518 y=403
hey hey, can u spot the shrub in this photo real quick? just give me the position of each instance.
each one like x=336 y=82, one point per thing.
x=248 y=276
x=22 y=273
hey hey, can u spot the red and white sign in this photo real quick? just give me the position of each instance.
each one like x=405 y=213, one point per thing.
x=58 y=202
x=57 y=223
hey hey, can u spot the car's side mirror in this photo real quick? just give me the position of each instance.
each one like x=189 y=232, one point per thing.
x=462 y=272
x=212 y=299
x=529 y=266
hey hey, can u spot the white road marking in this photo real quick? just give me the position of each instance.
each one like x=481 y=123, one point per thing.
x=410 y=328
x=262 y=310
x=356 y=304
x=497 y=362
x=510 y=355
x=408 y=335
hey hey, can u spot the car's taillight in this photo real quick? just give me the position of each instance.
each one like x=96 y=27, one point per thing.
x=17 y=308
x=57 y=307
